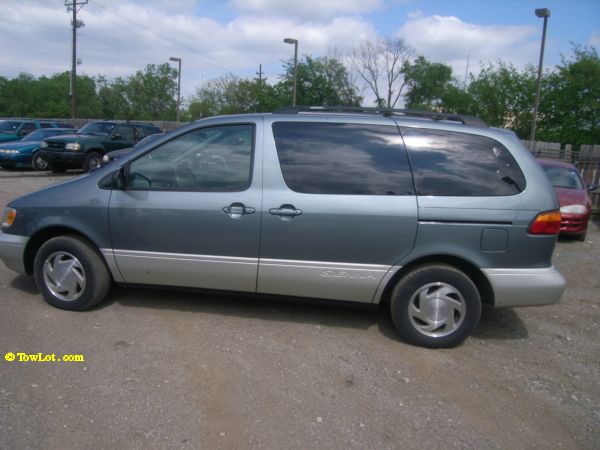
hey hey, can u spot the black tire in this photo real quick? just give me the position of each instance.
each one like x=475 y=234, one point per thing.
x=38 y=162
x=70 y=274
x=445 y=289
x=581 y=237
x=93 y=161
x=57 y=169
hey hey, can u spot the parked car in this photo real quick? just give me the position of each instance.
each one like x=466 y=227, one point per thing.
x=429 y=213
x=116 y=154
x=25 y=153
x=572 y=193
x=85 y=149
x=14 y=130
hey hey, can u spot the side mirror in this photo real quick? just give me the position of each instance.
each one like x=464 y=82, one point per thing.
x=592 y=187
x=116 y=136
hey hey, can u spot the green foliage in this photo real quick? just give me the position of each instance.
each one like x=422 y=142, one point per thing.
x=570 y=100
x=426 y=83
x=321 y=81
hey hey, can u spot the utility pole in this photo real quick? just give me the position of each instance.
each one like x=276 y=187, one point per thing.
x=259 y=73
x=72 y=6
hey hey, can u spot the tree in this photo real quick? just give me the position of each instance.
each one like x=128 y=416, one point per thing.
x=230 y=94
x=426 y=83
x=379 y=64
x=570 y=100
x=321 y=81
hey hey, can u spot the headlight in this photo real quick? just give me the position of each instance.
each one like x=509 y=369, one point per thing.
x=73 y=146
x=574 y=209
x=9 y=151
x=8 y=217
x=44 y=144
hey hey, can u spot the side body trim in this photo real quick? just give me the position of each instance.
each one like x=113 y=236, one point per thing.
x=185 y=270
x=321 y=279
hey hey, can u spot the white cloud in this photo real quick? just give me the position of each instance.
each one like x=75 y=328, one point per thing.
x=449 y=40
x=307 y=9
x=124 y=36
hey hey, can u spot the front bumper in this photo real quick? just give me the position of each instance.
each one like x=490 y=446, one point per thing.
x=15 y=159
x=12 y=249
x=574 y=223
x=526 y=287
x=71 y=160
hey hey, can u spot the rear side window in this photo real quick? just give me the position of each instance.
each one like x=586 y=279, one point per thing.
x=447 y=163
x=342 y=158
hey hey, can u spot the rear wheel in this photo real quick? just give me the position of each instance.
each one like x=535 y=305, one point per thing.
x=38 y=162
x=436 y=306
x=92 y=161
x=70 y=274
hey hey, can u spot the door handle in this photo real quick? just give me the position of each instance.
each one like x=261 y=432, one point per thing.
x=237 y=210
x=285 y=211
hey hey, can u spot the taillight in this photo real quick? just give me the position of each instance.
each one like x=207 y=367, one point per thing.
x=546 y=223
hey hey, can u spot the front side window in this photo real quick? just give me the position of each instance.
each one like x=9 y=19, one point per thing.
x=448 y=163
x=342 y=158
x=123 y=133
x=212 y=159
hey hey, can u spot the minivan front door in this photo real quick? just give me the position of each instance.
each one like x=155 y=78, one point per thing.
x=189 y=213
x=339 y=208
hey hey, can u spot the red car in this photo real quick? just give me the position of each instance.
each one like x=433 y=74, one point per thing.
x=575 y=203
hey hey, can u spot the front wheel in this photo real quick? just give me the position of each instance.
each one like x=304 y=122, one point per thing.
x=93 y=161
x=38 y=162
x=435 y=306
x=70 y=274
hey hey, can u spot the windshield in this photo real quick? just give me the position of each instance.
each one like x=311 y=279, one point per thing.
x=563 y=177
x=9 y=126
x=98 y=128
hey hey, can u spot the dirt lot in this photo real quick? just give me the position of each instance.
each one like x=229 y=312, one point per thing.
x=171 y=369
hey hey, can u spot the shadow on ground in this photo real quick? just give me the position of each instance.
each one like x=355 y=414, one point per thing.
x=495 y=324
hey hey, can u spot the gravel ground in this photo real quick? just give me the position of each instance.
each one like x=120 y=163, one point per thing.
x=172 y=369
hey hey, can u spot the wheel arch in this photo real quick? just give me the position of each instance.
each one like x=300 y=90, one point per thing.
x=468 y=268
x=41 y=236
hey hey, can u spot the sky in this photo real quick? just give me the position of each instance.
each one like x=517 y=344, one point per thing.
x=216 y=37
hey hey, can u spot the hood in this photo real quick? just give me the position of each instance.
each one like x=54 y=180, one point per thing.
x=20 y=144
x=67 y=138
x=572 y=196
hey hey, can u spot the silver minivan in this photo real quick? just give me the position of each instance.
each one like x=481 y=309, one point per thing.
x=433 y=214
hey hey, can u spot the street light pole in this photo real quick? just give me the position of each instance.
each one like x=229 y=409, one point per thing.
x=178 y=60
x=295 y=42
x=545 y=13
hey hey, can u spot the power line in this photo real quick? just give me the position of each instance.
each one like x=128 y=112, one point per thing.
x=163 y=37
x=31 y=24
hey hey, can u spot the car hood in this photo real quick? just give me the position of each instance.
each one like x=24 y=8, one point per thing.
x=572 y=196
x=67 y=138
x=20 y=144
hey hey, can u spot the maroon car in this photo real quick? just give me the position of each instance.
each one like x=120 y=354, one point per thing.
x=575 y=203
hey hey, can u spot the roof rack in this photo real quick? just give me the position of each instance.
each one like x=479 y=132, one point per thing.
x=388 y=112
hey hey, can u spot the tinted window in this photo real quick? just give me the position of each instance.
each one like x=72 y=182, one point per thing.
x=126 y=132
x=448 y=163
x=338 y=158
x=27 y=127
x=214 y=159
